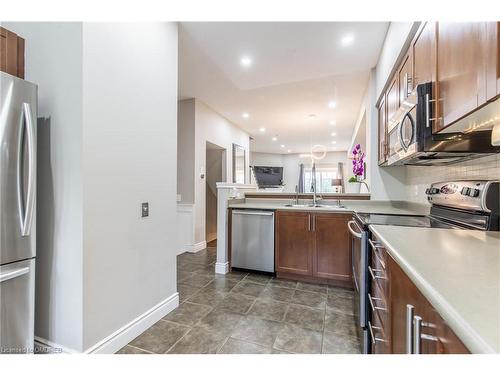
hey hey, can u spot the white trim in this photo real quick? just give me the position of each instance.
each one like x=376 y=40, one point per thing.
x=197 y=247
x=49 y=344
x=229 y=185
x=134 y=328
x=185 y=207
x=125 y=334
x=222 y=268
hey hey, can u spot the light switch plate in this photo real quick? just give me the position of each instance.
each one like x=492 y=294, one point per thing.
x=145 y=209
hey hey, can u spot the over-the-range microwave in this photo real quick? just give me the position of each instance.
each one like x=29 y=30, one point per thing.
x=411 y=141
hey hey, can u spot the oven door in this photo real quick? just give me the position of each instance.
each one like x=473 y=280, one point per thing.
x=360 y=280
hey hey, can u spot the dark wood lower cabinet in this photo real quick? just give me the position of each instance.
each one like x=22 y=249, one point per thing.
x=332 y=256
x=436 y=336
x=312 y=246
x=294 y=243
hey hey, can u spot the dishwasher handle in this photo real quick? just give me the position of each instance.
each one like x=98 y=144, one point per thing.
x=257 y=213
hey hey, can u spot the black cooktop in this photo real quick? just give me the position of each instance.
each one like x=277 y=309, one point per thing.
x=403 y=220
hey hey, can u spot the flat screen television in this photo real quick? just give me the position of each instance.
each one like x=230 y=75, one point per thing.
x=268 y=176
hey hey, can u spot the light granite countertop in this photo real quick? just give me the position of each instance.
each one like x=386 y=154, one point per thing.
x=366 y=206
x=458 y=271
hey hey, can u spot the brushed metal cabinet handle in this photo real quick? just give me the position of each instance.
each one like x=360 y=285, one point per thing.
x=409 y=328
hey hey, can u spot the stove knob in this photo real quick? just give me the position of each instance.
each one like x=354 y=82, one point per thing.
x=427 y=191
x=474 y=193
x=464 y=191
x=434 y=191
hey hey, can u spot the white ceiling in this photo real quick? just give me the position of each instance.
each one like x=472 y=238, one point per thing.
x=297 y=69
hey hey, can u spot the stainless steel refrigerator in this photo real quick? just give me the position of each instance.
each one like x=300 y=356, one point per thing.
x=18 y=114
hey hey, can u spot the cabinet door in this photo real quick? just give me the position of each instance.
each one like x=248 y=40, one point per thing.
x=436 y=335
x=493 y=60
x=392 y=98
x=331 y=256
x=424 y=54
x=382 y=131
x=403 y=293
x=405 y=78
x=294 y=243
x=11 y=53
x=461 y=73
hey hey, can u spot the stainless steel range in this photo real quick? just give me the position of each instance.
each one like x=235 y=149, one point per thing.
x=454 y=205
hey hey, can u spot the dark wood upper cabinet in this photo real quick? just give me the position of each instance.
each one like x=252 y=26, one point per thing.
x=405 y=78
x=11 y=53
x=461 y=70
x=294 y=243
x=424 y=54
x=382 y=131
x=332 y=257
x=492 y=60
x=392 y=99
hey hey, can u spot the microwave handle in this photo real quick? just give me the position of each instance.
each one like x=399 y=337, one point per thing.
x=401 y=140
x=427 y=111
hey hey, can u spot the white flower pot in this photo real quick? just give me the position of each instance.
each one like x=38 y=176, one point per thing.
x=354 y=187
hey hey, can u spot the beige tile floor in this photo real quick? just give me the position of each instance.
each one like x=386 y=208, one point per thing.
x=249 y=314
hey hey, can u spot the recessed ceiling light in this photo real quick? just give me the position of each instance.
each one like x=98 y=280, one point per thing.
x=289 y=151
x=282 y=146
x=245 y=115
x=274 y=139
x=246 y=61
x=262 y=130
x=333 y=123
x=347 y=40
x=333 y=134
x=334 y=142
x=332 y=104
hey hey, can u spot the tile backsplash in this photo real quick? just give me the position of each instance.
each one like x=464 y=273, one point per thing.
x=419 y=178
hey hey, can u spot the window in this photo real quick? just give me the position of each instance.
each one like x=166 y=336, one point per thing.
x=324 y=177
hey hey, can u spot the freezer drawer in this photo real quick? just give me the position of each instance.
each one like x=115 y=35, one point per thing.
x=17 y=284
x=252 y=240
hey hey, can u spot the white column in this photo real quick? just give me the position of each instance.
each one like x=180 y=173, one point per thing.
x=226 y=191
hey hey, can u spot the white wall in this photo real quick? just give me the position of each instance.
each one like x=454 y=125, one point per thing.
x=129 y=157
x=214 y=160
x=212 y=127
x=185 y=153
x=110 y=92
x=291 y=163
x=209 y=126
x=54 y=62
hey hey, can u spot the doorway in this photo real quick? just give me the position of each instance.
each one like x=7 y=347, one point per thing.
x=215 y=163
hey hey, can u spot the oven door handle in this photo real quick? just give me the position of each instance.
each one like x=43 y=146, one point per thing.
x=353 y=232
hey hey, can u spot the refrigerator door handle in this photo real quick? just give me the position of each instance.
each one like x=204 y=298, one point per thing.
x=12 y=274
x=26 y=211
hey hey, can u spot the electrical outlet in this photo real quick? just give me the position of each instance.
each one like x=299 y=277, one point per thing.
x=145 y=209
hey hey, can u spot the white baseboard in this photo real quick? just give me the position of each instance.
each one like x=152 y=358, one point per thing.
x=131 y=330
x=125 y=334
x=198 y=247
x=222 y=268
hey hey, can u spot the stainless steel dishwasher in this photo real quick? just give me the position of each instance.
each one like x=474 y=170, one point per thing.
x=252 y=240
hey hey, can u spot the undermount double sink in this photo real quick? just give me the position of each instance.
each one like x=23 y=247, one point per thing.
x=337 y=206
